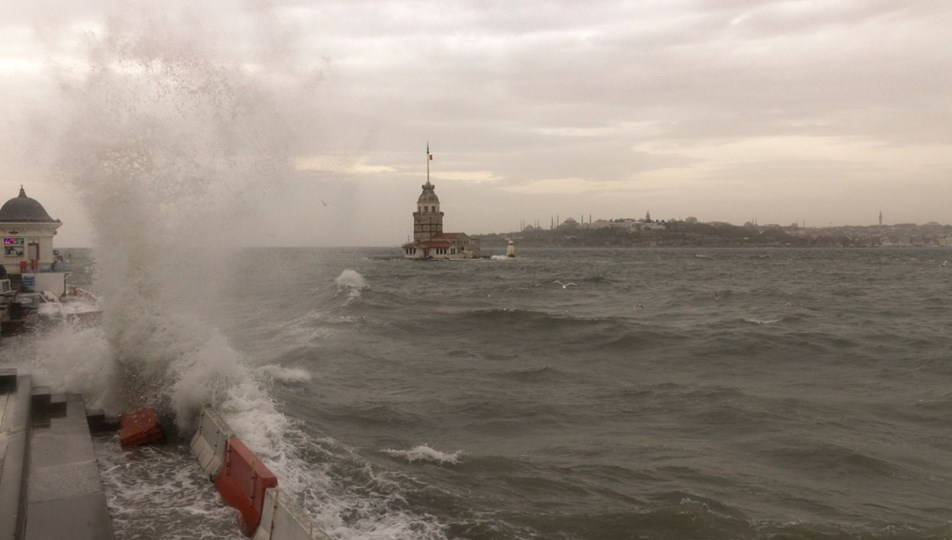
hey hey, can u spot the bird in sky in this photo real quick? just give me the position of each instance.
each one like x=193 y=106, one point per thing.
x=565 y=285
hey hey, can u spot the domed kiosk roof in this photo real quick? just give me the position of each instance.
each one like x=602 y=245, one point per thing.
x=428 y=195
x=24 y=209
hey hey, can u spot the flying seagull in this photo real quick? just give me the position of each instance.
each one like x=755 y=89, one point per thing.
x=565 y=285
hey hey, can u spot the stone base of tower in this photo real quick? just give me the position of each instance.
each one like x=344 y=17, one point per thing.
x=443 y=246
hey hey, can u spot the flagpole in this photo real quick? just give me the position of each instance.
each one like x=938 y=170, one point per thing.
x=427 y=162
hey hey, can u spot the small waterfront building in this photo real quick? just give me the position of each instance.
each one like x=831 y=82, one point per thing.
x=429 y=240
x=27 y=231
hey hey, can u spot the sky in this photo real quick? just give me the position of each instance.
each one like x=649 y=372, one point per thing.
x=817 y=112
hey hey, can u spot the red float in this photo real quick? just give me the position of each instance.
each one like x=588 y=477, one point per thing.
x=138 y=427
x=242 y=482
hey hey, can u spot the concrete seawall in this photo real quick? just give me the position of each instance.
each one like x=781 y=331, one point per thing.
x=50 y=486
x=14 y=433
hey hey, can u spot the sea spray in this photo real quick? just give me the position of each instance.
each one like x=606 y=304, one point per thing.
x=170 y=131
x=170 y=134
x=168 y=138
x=68 y=358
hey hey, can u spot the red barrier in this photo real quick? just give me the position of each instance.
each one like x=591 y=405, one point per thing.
x=241 y=484
x=137 y=427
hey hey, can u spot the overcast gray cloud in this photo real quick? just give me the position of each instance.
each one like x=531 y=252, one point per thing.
x=785 y=110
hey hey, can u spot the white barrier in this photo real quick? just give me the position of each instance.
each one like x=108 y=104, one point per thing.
x=208 y=443
x=283 y=519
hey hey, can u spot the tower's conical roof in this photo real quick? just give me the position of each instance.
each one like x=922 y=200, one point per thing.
x=428 y=195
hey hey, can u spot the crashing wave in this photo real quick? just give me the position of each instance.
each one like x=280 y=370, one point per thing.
x=352 y=282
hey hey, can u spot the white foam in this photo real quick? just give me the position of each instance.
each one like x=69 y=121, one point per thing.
x=350 y=279
x=368 y=504
x=158 y=488
x=424 y=452
x=351 y=282
x=285 y=375
x=763 y=322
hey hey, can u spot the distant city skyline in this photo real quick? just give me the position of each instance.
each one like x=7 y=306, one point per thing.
x=300 y=124
x=553 y=223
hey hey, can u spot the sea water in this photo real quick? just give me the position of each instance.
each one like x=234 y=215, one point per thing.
x=749 y=393
x=746 y=393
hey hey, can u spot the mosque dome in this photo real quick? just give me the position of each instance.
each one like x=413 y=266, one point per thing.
x=428 y=195
x=24 y=209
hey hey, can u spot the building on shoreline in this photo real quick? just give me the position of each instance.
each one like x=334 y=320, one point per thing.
x=429 y=240
x=28 y=232
x=28 y=256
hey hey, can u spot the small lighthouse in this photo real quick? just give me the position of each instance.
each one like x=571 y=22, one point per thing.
x=511 y=249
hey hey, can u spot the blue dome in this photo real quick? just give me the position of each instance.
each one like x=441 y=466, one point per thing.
x=24 y=209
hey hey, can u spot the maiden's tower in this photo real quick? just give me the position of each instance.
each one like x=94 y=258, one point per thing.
x=429 y=240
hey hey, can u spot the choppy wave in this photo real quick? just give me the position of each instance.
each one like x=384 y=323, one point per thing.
x=351 y=283
x=763 y=322
x=350 y=498
x=539 y=374
x=424 y=452
x=526 y=320
x=738 y=417
x=286 y=375
x=350 y=279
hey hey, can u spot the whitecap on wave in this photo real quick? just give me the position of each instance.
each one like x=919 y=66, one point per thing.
x=352 y=282
x=425 y=453
x=762 y=322
x=285 y=375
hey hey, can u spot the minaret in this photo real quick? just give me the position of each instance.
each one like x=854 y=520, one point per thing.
x=427 y=220
x=880 y=218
